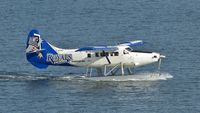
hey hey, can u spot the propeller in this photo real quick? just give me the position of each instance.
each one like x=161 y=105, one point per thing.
x=159 y=63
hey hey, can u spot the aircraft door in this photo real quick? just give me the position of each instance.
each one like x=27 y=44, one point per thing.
x=127 y=56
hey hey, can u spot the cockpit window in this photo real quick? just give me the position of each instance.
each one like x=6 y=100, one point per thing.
x=129 y=49
x=134 y=50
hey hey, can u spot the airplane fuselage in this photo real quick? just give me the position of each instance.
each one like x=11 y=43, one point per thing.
x=101 y=58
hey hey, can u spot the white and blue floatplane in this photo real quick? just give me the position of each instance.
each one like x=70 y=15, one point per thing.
x=104 y=60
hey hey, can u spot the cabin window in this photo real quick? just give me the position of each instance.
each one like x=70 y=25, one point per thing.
x=97 y=54
x=102 y=54
x=106 y=53
x=89 y=55
x=116 y=53
x=111 y=54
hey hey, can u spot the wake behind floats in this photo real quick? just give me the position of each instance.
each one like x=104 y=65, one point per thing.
x=107 y=60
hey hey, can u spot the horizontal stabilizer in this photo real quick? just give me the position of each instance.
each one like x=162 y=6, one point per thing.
x=36 y=51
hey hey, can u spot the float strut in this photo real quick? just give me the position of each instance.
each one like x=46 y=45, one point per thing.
x=122 y=68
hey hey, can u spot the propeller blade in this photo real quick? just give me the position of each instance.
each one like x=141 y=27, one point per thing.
x=162 y=56
x=159 y=63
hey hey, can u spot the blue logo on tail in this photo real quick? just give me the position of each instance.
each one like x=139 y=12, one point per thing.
x=37 y=50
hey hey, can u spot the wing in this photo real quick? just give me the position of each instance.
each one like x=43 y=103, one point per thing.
x=97 y=48
x=132 y=43
x=110 y=48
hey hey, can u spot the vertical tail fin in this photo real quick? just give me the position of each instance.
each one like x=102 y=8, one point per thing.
x=37 y=50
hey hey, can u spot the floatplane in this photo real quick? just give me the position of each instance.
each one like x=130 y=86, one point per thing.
x=105 y=60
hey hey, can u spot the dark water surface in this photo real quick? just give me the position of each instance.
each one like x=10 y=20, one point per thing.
x=167 y=26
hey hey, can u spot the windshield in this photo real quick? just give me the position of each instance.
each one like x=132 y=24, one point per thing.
x=129 y=49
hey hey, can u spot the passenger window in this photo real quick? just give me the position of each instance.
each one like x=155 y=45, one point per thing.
x=89 y=55
x=102 y=54
x=111 y=54
x=106 y=53
x=116 y=53
x=97 y=54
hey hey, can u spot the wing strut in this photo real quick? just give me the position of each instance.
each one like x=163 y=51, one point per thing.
x=106 y=57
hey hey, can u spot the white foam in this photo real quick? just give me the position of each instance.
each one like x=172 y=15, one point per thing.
x=136 y=77
x=148 y=76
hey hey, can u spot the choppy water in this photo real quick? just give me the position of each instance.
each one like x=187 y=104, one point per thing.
x=170 y=27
